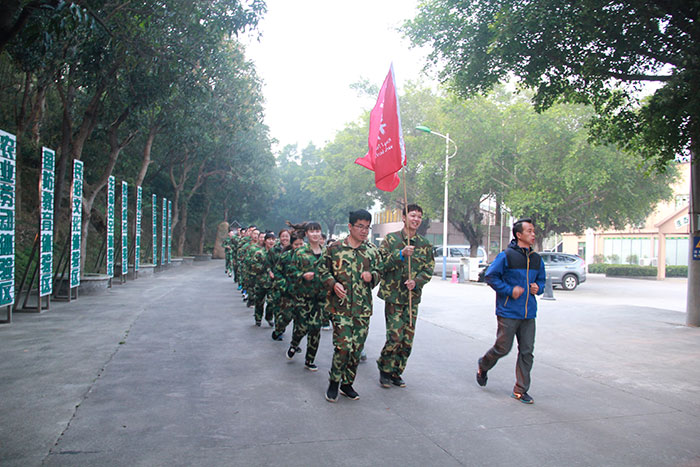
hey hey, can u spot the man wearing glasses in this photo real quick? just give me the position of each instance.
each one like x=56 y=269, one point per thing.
x=349 y=270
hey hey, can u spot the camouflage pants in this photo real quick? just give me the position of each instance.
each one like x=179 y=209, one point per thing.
x=229 y=261
x=284 y=314
x=273 y=302
x=399 y=338
x=349 y=334
x=307 y=322
x=259 y=298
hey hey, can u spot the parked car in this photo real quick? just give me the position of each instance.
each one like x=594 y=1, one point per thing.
x=566 y=270
x=454 y=253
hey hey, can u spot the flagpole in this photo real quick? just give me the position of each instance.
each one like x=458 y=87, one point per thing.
x=408 y=233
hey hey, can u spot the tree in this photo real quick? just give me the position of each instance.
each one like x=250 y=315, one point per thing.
x=593 y=52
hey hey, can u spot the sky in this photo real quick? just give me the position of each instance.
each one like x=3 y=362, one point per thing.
x=310 y=53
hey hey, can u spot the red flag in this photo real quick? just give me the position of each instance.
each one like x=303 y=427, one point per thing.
x=386 y=154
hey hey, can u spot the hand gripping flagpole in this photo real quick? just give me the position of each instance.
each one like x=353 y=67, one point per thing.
x=408 y=233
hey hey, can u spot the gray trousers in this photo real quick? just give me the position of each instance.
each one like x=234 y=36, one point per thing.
x=524 y=330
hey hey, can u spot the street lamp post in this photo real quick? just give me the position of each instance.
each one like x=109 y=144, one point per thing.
x=447 y=168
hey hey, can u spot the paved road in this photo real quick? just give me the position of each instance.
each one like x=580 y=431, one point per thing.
x=171 y=371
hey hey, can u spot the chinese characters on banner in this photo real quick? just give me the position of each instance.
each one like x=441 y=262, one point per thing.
x=170 y=229
x=7 y=218
x=155 y=229
x=110 y=227
x=164 y=226
x=125 y=229
x=76 y=222
x=46 y=195
x=137 y=239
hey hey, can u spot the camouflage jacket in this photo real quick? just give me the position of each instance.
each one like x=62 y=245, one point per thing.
x=259 y=267
x=282 y=272
x=227 y=244
x=345 y=264
x=395 y=269
x=305 y=261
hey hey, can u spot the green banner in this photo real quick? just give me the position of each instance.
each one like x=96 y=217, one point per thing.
x=164 y=227
x=125 y=229
x=137 y=239
x=46 y=196
x=76 y=222
x=154 y=210
x=8 y=145
x=170 y=230
x=109 y=259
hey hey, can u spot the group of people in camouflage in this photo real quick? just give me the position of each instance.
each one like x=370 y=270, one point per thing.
x=312 y=283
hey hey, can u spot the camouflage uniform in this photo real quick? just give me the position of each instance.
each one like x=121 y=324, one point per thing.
x=345 y=264
x=243 y=246
x=307 y=318
x=235 y=243
x=261 y=282
x=228 y=250
x=399 y=328
x=274 y=295
x=288 y=302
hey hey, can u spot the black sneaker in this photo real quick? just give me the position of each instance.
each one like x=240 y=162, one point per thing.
x=384 y=379
x=397 y=381
x=257 y=323
x=276 y=337
x=271 y=323
x=290 y=353
x=524 y=398
x=481 y=377
x=349 y=392
x=311 y=366
x=332 y=391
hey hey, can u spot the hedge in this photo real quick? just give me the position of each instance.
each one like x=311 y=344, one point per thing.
x=600 y=268
x=633 y=270
x=676 y=271
x=629 y=270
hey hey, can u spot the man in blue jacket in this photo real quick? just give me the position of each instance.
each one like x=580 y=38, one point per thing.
x=517 y=275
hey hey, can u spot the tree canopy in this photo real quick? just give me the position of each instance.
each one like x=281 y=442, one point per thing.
x=579 y=52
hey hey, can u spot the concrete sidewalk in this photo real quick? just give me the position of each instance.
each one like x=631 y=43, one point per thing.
x=170 y=370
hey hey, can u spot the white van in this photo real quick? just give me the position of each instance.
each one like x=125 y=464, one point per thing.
x=454 y=253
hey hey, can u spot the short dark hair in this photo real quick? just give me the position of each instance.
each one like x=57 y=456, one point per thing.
x=359 y=215
x=518 y=226
x=412 y=207
x=270 y=235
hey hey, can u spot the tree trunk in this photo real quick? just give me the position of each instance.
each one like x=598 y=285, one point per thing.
x=91 y=191
x=146 y=155
x=693 y=296
x=183 y=230
x=203 y=228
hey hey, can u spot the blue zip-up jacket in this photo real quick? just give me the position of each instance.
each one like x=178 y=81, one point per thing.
x=516 y=266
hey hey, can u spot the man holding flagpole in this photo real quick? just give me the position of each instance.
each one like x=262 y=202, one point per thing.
x=398 y=283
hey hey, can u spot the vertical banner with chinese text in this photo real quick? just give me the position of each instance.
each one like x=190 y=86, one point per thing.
x=154 y=210
x=109 y=255
x=125 y=229
x=8 y=145
x=137 y=234
x=76 y=222
x=46 y=195
x=170 y=229
x=164 y=232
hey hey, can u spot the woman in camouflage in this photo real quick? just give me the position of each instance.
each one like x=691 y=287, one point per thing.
x=311 y=293
x=287 y=301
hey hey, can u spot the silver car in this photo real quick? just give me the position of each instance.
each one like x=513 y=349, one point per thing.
x=454 y=253
x=566 y=270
